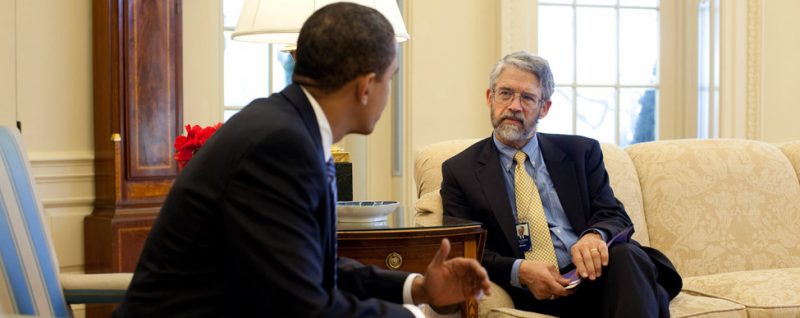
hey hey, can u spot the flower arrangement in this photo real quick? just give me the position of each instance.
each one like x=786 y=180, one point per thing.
x=196 y=136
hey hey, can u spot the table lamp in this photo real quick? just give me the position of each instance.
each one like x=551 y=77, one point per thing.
x=279 y=21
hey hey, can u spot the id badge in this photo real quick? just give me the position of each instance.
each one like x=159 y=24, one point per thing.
x=523 y=237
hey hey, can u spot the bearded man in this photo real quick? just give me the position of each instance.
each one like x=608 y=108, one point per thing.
x=554 y=187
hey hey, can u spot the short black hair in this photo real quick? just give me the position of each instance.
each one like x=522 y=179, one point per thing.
x=341 y=41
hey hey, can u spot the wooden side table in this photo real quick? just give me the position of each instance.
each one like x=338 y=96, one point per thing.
x=411 y=249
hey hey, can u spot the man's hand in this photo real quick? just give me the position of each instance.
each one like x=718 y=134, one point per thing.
x=452 y=281
x=590 y=254
x=543 y=280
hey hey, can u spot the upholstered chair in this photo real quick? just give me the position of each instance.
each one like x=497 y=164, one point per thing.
x=30 y=283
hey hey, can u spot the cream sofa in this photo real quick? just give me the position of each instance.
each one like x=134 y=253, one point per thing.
x=726 y=212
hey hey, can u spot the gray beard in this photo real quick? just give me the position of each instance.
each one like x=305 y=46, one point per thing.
x=511 y=133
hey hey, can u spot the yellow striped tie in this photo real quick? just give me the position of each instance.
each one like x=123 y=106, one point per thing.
x=530 y=209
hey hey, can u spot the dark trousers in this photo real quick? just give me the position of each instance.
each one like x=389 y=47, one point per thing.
x=627 y=288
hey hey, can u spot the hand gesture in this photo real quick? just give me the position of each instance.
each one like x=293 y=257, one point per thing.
x=543 y=280
x=452 y=281
x=590 y=254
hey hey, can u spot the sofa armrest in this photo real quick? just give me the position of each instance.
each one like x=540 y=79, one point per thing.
x=498 y=299
x=95 y=288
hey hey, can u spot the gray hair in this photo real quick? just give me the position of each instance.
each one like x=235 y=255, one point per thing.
x=527 y=62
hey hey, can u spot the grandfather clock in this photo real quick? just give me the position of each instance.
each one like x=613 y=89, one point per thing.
x=137 y=115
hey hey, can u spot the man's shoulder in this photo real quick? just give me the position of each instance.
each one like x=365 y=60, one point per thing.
x=471 y=153
x=567 y=143
x=567 y=139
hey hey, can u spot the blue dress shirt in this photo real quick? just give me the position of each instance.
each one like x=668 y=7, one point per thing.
x=561 y=232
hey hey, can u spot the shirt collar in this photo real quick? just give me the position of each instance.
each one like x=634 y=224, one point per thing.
x=507 y=153
x=325 y=132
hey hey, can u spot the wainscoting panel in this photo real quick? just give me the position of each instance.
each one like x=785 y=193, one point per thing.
x=65 y=185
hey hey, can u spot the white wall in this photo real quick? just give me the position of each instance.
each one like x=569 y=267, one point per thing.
x=54 y=75
x=8 y=61
x=453 y=46
x=780 y=106
x=202 y=62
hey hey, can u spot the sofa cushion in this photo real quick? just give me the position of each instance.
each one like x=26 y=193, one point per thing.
x=716 y=206
x=514 y=313
x=765 y=293
x=625 y=183
x=688 y=305
x=498 y=299
x=683 y=306
x=429 y=209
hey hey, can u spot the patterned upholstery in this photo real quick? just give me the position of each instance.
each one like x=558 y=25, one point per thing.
x=716 y=206
x=29 y=278
x=688 y=305
x=765 y=293
x=625 y=184
x=428 y=177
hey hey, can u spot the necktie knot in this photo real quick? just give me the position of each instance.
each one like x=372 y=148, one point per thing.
x=520 y=157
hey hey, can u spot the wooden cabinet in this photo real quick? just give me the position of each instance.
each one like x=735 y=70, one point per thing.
x=412 y=249
x=137 y=64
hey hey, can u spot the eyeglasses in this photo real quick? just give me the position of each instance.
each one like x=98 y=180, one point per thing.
x=506 y=96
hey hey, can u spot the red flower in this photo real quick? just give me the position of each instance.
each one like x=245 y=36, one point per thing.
x=196 y=136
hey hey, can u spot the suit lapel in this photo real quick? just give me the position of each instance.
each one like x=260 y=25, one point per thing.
x=562 y=173
x=489 y=175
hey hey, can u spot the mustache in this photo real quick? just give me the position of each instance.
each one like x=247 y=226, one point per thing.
x=518 y=117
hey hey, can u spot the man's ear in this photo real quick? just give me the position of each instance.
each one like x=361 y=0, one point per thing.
x=489 y=97
x=364 y=86
x=545 y=109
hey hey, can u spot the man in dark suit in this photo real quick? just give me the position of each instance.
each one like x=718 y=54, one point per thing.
x=249 y=227
x=576 y=207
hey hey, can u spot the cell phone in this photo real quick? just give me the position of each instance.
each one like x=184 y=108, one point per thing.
x=572 y=274
x=573 y=284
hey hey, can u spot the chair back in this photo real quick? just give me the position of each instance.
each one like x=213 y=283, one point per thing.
x=29 y=282
x=428 y=178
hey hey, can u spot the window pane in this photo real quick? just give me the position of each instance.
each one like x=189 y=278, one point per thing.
x=559 y=118
x=597 y=46
x=596 y=113
x=230 y=12
x=228 y=113
x=557 y=47
x=637 y=115
x=284 y=66
x=597 y=2
x=638 y=53
x=246 y=71
x=639 y=3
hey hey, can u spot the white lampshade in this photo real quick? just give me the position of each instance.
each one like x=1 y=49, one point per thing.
x=279 y=21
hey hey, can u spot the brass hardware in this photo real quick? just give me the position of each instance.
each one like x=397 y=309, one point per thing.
x=339 y=155
x=394 y=260
x=116 y=137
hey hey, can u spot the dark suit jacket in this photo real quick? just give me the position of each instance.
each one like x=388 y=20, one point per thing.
x=473 y=188
x=247 y=230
